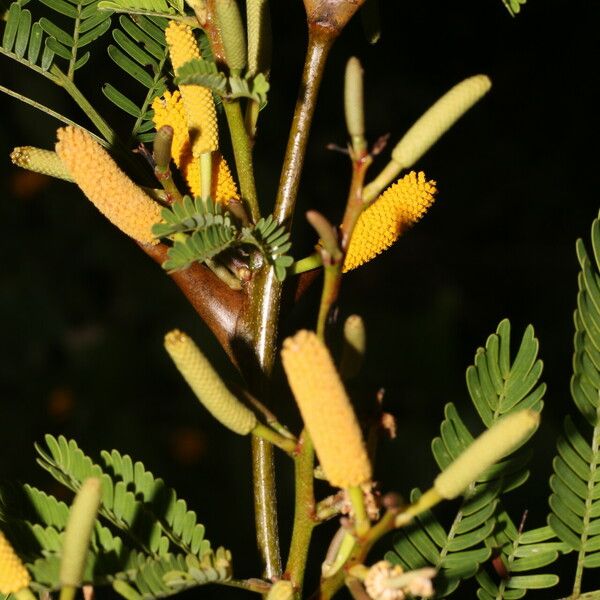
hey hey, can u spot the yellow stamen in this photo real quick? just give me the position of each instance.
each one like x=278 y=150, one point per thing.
x=197 y=101
x=13 y=574
x=326 y=410
x=107 y=187
x=382 y=223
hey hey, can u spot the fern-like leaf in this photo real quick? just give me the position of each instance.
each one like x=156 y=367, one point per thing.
x=141 y=52
x=273 y=242
x=25 y=41
x=161 y=8
x=518 y=554
x=141 y=506
x=190 y=215
x=85 y=24
x=497 y=387
x=575 y=501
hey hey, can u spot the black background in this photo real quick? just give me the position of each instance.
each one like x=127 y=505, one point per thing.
x=83 y=312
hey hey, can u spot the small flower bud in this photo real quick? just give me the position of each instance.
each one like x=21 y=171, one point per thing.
x=281 y=590
x=354 y=104
x=353 y=351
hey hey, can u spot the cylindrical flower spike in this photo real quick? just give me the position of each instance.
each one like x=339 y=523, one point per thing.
x=326 y=410
x=428 y=129
x=106 y=186
x=207 y=385
x=169 y=110
x=258 y=25
x=40 y=161
x=439 y=118
x=495 y=443
x=382 y=223
x=13 y=575
x=78 y=532
x=232 y=33
x=354 y=104
x=197 y=101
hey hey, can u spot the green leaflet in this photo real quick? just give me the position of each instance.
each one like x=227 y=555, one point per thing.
x=519 y=553
x=497 y=386
x=575 y=484
x=513 y=6
x=140 y=51
x=24 y=40
x=202 y=231
x=144 y=7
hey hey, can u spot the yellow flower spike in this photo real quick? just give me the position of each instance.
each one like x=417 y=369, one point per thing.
x=382 y=223
x=326 y=410
x=207 y=385
x=197 y=101
x=41 y=161
x=169 y=110
x=106 y=186
x=13 y=574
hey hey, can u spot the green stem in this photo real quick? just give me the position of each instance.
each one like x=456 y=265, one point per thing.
x=251 y=585
x=103 y=127
x=319 y=44
x=243 y=155
x=67 y=592
x=266 y=433
x=50 y=112
x=361 y=519
x=331 y=290
x=308 y=263
x=304 y=515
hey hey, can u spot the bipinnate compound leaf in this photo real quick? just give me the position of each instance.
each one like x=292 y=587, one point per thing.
x=141 y=52
x=498 y=385
x=575 y=483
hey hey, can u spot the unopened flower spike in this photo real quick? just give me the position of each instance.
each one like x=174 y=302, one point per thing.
x=169 y=110
x=78 y=533
x=14 y=577
x=354 y=105
x=233 y=36
x=429 y=128
x=41 y=161
x=326 y=410
x=106 y=186
x=353 y=350
x=382 y=223
x=207 y=385
x=505 y=436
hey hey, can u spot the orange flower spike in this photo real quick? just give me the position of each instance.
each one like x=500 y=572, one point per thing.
x=197 y=101
x=326 y=410
x=169 y=110
x=106 y=186
x=13 y=574
x=382 y=223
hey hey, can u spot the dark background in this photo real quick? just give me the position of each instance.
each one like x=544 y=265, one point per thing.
x=83 y=312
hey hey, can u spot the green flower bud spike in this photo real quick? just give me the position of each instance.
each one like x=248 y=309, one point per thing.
x=501 y=439
x=258 y=25
x=231 y=28
x=353 y=351
x=428 y=129
x=354 y=105
x=41 y=161
x=207 y=385
x=76 y=540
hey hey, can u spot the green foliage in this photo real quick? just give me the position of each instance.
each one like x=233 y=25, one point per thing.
x=497 y=387
x=205 y=73
x=575 y=501
x=517 y=552
x=88 y=25
x=24 y=41
x=514 y=6
x=202 y=230
x=141 y=52
x=144 y=7
x=162 y=551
